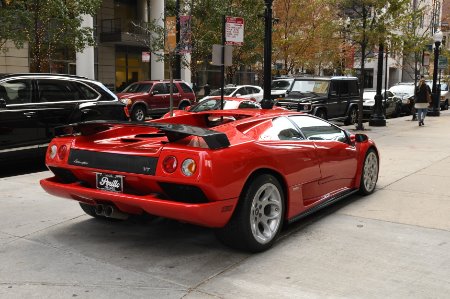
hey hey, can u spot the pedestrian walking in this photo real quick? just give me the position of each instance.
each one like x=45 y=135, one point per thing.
x=423 y=99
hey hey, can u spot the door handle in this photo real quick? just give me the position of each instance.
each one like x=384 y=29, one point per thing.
x=29 y=114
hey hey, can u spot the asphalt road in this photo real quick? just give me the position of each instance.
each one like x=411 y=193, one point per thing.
x=394 y=243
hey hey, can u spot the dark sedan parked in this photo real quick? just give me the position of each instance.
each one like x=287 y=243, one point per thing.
x=32 y=105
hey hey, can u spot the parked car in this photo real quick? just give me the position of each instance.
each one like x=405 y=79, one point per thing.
x=215 y=104
x=152 y=98
x=405 y=90
x=326 y=97
x=280 y=87
x=244 y=178
x=32 y=105
x=240 y=91
x=445 y=94
x=390 y=102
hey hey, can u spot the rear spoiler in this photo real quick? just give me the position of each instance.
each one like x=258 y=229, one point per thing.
x=174 y=132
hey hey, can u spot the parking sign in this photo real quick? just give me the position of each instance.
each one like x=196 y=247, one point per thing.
x=234 y=31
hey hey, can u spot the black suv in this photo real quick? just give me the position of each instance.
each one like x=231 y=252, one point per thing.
x=329 y=98
x=32 y=105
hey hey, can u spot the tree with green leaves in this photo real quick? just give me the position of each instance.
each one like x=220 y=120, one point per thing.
x=12 y=16
x=48 y=26
x=367 y=24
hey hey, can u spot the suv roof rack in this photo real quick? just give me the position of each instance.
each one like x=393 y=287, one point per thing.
x=41 y=74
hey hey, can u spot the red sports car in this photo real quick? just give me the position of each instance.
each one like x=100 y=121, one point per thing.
x=244 y=176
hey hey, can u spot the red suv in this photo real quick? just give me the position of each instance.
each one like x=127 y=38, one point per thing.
x=152 y=98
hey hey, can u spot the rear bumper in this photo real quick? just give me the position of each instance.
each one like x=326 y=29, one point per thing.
x=211 y=214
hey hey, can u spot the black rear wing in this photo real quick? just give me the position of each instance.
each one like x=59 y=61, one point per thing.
x=173 y=132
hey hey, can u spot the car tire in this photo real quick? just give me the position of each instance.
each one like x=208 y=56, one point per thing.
x=445 y=107
x=397 y=111
x=321 y=113
x=369 y=173
x=90 y=210
x=352 y=117
x=183 y=105
x=138 y=113
x=258 y=218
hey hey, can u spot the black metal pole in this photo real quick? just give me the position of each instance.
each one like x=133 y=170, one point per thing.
x=435 y=111
x=377 y=119
x=267 y=102
x=222 y=68
x=177 y=74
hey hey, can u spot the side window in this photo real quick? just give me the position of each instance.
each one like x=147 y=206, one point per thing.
x=159 y=88
x=16 y=91
x=353 y=87
x=248 y=104
x=334 y=88
x=343 y=89
x=242 y=91
x=186 y=88
x=317 y=129
x=281 y=129
x=174 y=88
x=57 y=91
x=86 y=93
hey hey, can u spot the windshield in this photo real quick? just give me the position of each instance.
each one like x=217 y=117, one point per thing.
x=281 y=85
x=227 y=91
x=138 y=87
x=311 y=86
x=214 y=104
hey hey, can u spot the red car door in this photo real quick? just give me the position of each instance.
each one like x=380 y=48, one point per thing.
x=338 y=158
x=159 y=102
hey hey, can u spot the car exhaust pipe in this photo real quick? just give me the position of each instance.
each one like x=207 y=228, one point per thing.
x=113 y=212
x=100 y=210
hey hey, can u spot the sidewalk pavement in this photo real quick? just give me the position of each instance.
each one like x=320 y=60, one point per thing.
x=394 y=243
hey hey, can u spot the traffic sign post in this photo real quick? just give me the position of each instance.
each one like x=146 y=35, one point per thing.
x=234 y=31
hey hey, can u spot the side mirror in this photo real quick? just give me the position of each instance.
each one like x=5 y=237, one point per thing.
x=361 y=137
x=2 y=103
x=154 y=92
x=187 y=108
x=238 y=95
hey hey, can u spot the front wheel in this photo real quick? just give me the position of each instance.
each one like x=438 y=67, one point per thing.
x=138 y=113
x=321 y=113
x=258 y=218
x=352 y=117
x=445 y=106
x=369 y=175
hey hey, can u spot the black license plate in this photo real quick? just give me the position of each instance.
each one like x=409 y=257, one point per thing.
x=109 y=182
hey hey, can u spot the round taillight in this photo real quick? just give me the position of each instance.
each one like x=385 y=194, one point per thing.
x=62 y=152
x=170 y=164
x=188 y=167
x=53 y=151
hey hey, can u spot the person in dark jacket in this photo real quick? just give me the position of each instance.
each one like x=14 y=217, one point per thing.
x=422 y=97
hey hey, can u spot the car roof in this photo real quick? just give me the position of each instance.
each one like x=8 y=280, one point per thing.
x=8 y=75
x=326 y=78
x=157 y=81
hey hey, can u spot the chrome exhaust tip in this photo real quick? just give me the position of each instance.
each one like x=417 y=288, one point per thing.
x=113 y=212
x=100 y=210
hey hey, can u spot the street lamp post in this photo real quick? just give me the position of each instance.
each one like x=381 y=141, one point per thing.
x=377 y=119
x=435 y=111
x=267 y=101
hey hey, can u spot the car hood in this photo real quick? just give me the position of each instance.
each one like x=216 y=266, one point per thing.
x=303 y=97
x=276 y=92
x=129 y=95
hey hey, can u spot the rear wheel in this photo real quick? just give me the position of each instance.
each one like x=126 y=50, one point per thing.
x=369 y=175
x=352 y=117
x=258 y=218
x=183 y=105
x=138 y=113
x=445 y=106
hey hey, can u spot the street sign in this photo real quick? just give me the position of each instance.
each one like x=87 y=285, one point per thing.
x=234 y=31
x=217 y=55
x=442 y=63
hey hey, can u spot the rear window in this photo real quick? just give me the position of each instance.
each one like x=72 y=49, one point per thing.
x=186 y=88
